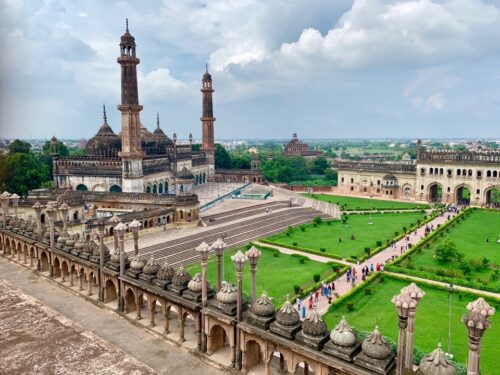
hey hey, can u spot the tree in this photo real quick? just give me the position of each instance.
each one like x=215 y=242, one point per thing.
x=447 y=252
x=62 y=150
x=23 y=172
x=331 y=175
x=222 y=158
x=195 y=147
x=319 y=165
x=19 y=146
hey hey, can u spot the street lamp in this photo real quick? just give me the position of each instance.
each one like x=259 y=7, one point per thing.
x=4 y=198
x=239 y=260
x=403 y=303
x=64 y=216
x=451 y=288
x=219 y=246
x=135 y=226
x=416 y=294
x=204 y=250
x=253 y=256
x=38 y=211
x=371 y=199
x=15 y=202
x=115 y=220
x=120 y=232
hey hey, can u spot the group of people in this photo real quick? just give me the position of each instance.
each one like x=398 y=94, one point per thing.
x=326 y=291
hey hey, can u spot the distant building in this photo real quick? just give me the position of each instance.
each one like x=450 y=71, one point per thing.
x=297 y=148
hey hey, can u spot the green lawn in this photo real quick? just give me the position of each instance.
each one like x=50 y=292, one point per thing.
x=469 y=235
x=327 y=236
x=431 y=323
x=354 y=203
x=275 y=275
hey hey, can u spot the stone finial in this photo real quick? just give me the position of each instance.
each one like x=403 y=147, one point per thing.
x=253 y=255
x=120 y=228
x=343 y=334
x=64 y=207
x=5 y=194
x=135 y=225
x=114 y=220
x=264 y=307
x=181 y=277
x=151 y=268
x=414 y=291
x=436 y=363
x=403 y=303
x=482 y=306
x=287 y=315
x=375 y=346
x=219 y=246
x=137 y=263
x=72 y=239
x=80 y=244
x=228 y=293
x=314 y=325
x=195 y=284
x=239 y=260
x=166 y=272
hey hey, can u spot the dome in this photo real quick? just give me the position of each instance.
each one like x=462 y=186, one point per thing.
x=71 y=241
x=181 y=278
x=162 y=144
x=264 y=307
x=436 y=363
x=63 y=238
x=137 y=264
x=151 y=268
x=166 y=272
x=343 y=334
x=287 y=316
x=185 y=174
x=313 y=325
x=127 y=39
x=375 y=346
x=228 y=293
x=80 y=244
x=115 y=257
x=195 y=284
x=390 y=177
x=105 y=142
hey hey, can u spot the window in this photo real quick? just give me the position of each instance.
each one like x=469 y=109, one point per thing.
x=448 y=190
x=478 y=191
x=470 y=172
x=422 y=170
x=450 y=172
x=352 y=180
x=495 y=174
x=459 y=172
x=352 y=188
x=378 y=182
x=488 y=173
x=342 y=179
x=421 y=187
x=478 y=174
x=441 y=171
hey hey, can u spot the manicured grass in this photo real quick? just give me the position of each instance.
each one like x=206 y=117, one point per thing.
x=469 y=235
x=363 y=204
x=431 y=324
x=275 y=275
x=327 y=236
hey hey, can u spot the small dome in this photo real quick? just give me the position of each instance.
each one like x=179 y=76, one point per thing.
x=436 y=363
x=228 y=293
x=71 y=241
x=375 y=346
x=185 y=174
x=166 y=272
x=137 y=264
x=390 y=177
x=195 y=284
x=314 y=325
x=264 y=307
x=115 y=257
x=343 y=334
x=151 y=268
x=94 y=248
x=80 y=244
x=63 y=238
x=104 y=143
x=287 y=315
x=181 y=278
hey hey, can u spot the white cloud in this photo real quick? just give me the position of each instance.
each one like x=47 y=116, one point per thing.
x=160 y=84
x=435 y=102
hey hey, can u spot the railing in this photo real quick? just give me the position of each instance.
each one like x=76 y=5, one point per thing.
x=213 y=202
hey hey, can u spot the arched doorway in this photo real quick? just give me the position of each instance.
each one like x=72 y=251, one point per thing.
x=148 y=189
x=155 y=189
x=218 y=338
x=44 y=262
x=160 y=188
x=81 y=187
x=110 y=291
x=462 y=195
x=252 y=356
x=130 y=301
x=435 y=193
x=493 y=197
x=115 y=189
x=57 y=268
x=166 y=187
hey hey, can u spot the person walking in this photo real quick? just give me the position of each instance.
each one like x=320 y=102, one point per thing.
x=303 y=312
x=298 y=302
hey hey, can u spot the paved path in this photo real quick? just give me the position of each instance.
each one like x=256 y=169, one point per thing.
x=341 y=284
x=161 y=356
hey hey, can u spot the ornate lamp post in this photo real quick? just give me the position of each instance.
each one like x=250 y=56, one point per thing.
x=416 y=294
x=135 y=226
x=115 y=220
x=100 y=232
x=451 y=289
x=190 y=139
x=4 y=199
x=51 y=211
x=204 y=250
x=371 y=199
x=120 y=231
x=64 y=216
x=253 y=256
x=403 y=302
x=15 y=202
x=476 y=322
x=239 y=260
x=219 y=246
x=38 y=211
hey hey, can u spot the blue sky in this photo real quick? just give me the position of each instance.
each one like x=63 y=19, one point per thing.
x=322 y=68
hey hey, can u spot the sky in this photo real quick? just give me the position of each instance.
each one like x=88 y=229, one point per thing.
x=321 y=68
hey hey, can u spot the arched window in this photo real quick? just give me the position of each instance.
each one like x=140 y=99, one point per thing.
x=115 y=189
x=488 y=173
x=160 y=188
x=81 y=187
x=495 y=174
x=166 y=187
x=148 y=189
x=155 y=189
x=204 y=177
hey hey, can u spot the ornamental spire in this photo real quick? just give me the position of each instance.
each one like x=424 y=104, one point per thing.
x=126 y=26
x=158 y=120
x=104 y=113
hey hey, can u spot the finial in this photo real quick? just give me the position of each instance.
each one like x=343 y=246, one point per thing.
x=206 y=67
x=126 y=25
x=104 y=113
x=157 y=120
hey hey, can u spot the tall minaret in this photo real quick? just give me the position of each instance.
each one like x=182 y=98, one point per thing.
x=131 y=153
x=207 y=123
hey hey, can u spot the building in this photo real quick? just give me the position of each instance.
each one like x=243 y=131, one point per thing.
x=460 y=177
x=296 y=148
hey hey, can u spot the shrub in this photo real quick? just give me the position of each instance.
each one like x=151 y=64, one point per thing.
x=317 y=220
x=404 y=229
x=303 y=229
x=379 y=243
x=335 y=267
x=294 y=243
x=276 y=254
x=447 y=252
x=302 y=260
x=287 y=234
x=350 y=306
x=396 y=233
x=328 y=222
x=381 y=279
x=316 y=277
x=367 y=291
x=322 y=249
x=315 y=225
x=296 y=289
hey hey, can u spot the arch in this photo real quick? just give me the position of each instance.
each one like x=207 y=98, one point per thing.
x=155 y=189
x=56 y=269
x=64 y=269
x=218 y=338
x=492 y=196
x=306 y=369
x=160 y=188
x=407 y=191
x=130 y=304
x=115 y=189
x=435 y=192
x=463 y=194
x=99 y=187
x=110 y=291
x=252 y=355
x=44 y=262
x=75 y=216
x=81 y=187
x=148 y=189
x=165 y=187
x=42 y=218
x=181 y=214
x=204 y=177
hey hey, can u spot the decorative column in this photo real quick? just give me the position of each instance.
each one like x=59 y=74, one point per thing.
x=100 y=233
x=134 y=227
x=204 y=250
x=253 y=256
x=15 y=202
x=416 y=294
x=120 y=231
x=64 y=216
x=51 y=212
x=476 y=322
x=114 y=221
x=402 y=302
x=239 y=260
x=4 y=199
x=38 y=211
x=219 y=246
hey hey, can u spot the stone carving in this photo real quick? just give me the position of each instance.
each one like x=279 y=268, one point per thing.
x=436 y=363
x=195 y=283
x=343 y=334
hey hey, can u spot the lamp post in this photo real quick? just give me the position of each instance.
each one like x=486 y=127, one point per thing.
x=239 y=260
x=15 y=202
x=38 y=211
x=416 y=294
x=451 y=288
x=204 y=250
x=403 y=302
x=114 y=221
x=476 y=322
x=64 y=216
x=253 y=256
x=371 y=199
x=4 y=199
x=51 y=211
x=219 y=246
x=135 y=226
x=120 y=231
x=100 y=232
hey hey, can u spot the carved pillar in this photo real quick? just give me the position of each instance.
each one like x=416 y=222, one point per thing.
x=152 y=309
x=38 y=211
x=182 y=321
x=239 y=260
x=64 y=216
x=253 y=255
x=63 y=279
x=402 y=302
x=218 y=246
x=120 y=232
x=89 y=281
x=51 y=211
x=71 y=277
x=100 y=228
x=80 y=280
x=138 y=304
x=416 y=294
x=4 y=199
x=15 y=203
x=203 y=249
x=166 y=312
x=134 y=227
